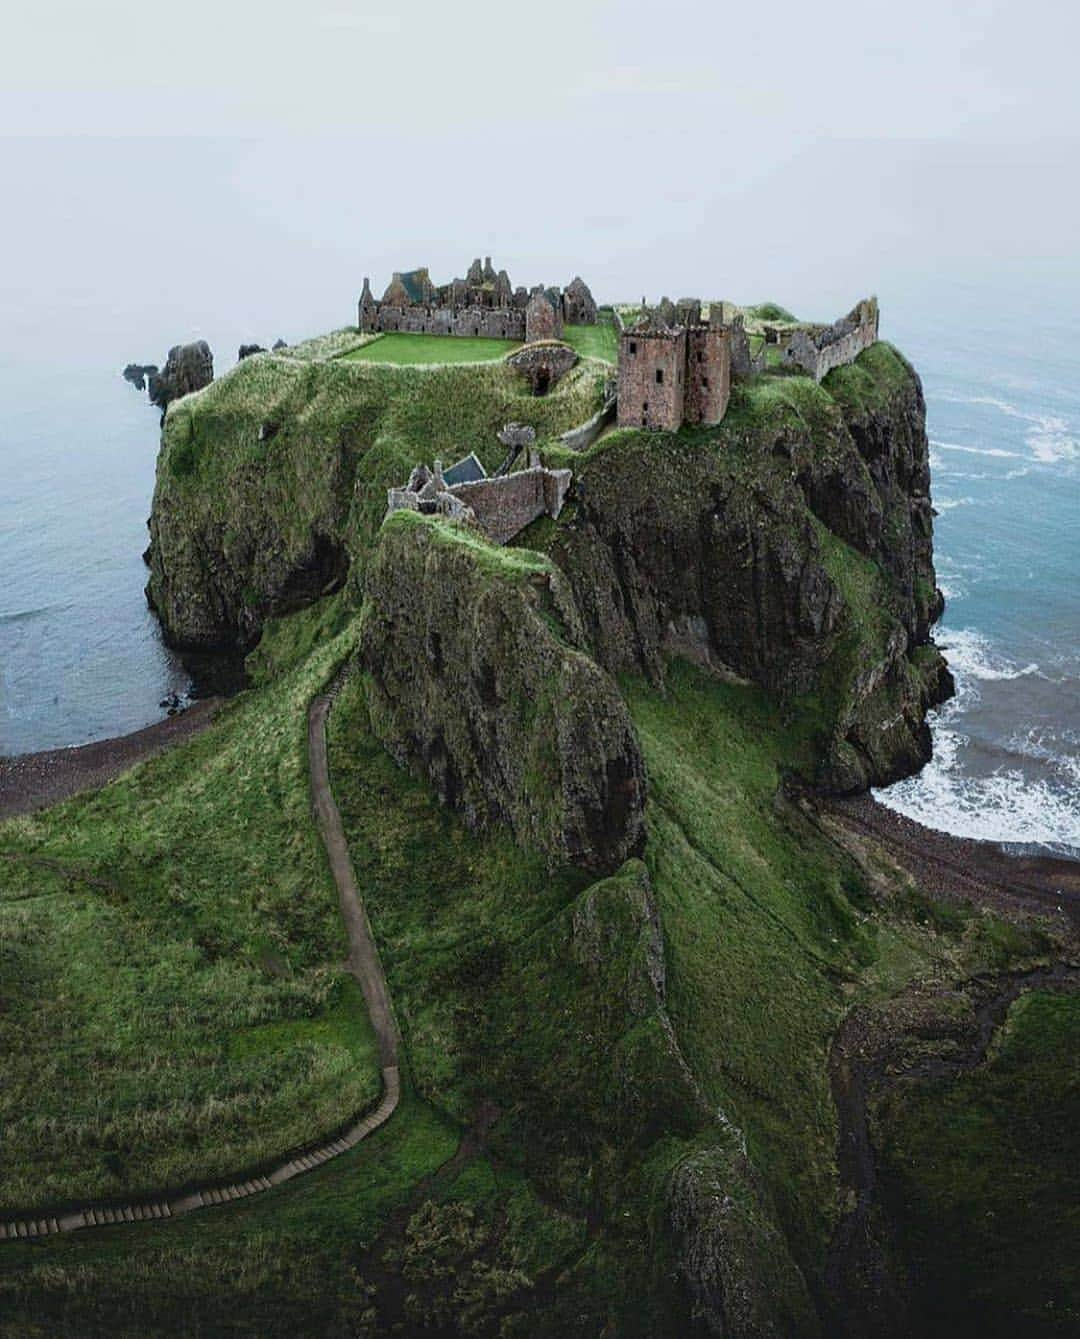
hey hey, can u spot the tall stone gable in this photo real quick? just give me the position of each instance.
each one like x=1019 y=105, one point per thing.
x=541 y=319
x=708 y=373
x=652 y=370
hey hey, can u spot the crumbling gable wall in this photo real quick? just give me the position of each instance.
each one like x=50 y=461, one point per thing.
x=542 y=319
x=503 y=507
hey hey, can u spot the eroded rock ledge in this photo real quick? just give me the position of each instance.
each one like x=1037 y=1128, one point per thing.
x=480 y=677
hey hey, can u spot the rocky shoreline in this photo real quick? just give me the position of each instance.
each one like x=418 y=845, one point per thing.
x=36 y=780
x=960 y=867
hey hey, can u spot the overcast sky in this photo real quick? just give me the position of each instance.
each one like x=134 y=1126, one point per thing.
x=267 y=155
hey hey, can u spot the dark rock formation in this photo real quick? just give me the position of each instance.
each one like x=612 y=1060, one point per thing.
x=480 y=678
x=139 y=373
x=189 y=367
x=727 y=550
x=731 y=1257
x=279 y=344
x=246 y=350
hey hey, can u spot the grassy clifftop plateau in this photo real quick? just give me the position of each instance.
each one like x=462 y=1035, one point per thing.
x=792 y=544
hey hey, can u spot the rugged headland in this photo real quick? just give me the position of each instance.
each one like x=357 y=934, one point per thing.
x=688 y=1047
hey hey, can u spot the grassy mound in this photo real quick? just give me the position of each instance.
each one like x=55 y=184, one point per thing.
x=171 y=1002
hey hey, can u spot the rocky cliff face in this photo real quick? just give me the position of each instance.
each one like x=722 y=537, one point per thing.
x=480 y=677
x=792 y=546
x=271 y=485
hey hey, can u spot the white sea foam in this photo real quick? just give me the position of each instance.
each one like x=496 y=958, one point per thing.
x=1049 y=437
x=1007 y=805
x=975 y=450
x=951 y=503
x=971 y=655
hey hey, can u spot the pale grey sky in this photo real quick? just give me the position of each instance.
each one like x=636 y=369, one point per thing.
x=254 y=152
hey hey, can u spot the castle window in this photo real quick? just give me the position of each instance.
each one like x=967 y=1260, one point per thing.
x=633 y=346
x=705 y=382
x=700 y=356
x=659 y=376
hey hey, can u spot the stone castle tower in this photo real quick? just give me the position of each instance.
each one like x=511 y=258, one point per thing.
x=671 y=374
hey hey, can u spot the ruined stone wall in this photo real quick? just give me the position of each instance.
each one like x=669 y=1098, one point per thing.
x=505 y=506
x=845 y=350
x=708 y=374
x=651 y=379
x=487 y=322
x=542 y=321
x=817 y=350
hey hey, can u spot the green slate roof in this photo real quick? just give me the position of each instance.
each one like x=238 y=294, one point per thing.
x=413 y=281
x=465 y=471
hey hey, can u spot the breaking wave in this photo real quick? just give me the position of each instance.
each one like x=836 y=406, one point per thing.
x=1009 y=804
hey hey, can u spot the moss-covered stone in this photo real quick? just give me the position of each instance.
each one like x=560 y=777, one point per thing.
x=480 y=676
x=791 y=545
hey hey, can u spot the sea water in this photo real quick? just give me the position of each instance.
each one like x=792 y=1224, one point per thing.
x=1002 y=382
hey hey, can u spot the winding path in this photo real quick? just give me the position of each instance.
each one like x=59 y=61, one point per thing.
x=363 y=962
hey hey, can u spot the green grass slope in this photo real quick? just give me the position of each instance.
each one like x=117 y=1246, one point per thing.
x=599 y=1055
x=280 y=471
x=171 y=1001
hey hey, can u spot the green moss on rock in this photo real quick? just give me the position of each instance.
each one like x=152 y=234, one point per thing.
x=480 y=676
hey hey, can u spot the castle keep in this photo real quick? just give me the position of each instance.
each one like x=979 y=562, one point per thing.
x=674 y=373
x=482 y=304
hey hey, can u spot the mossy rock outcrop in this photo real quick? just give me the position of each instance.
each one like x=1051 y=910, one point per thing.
x=480 y=676
x=271 y=482
x=792 y=545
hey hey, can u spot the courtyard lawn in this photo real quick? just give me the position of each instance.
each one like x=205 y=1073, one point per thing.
x=595 y=341
x=407 y=349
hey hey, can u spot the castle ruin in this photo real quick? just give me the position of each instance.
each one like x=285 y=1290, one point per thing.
x=500 y=505
x=676 y=368
x=816 y=350
x=482 y=304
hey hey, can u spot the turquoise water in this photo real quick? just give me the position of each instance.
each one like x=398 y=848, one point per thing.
x=1002 y=382
x=81 y=658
